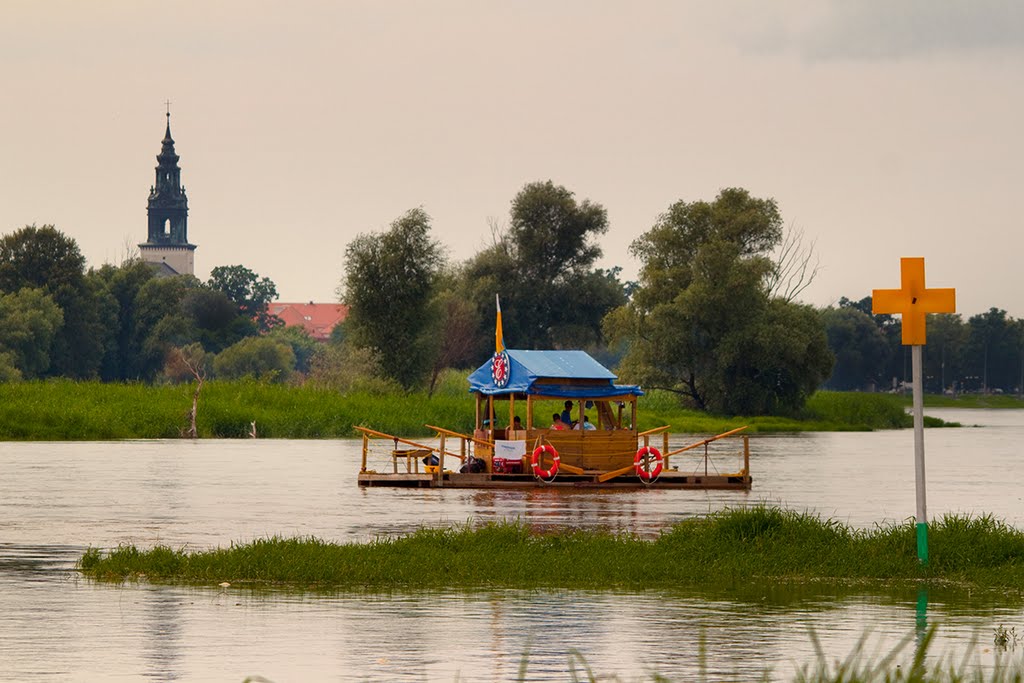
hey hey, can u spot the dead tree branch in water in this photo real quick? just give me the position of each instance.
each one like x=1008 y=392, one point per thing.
x=194 y=364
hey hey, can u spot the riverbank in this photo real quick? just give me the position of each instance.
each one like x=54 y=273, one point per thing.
x=93 y=411
x=733 y=546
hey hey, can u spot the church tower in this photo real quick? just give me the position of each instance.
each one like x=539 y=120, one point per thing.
x=166 y=246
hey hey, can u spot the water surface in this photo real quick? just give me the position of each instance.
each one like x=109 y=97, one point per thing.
x=56 y=499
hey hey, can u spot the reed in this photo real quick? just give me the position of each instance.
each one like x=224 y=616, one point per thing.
x=903 y=662
x=730 y=546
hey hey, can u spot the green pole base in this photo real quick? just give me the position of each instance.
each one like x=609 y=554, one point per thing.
x=922 y=542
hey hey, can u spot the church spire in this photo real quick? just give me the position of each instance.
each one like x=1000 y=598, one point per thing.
x=168 y=211
x=167 y=157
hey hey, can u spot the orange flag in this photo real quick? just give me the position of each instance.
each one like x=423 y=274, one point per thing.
x=499 y=336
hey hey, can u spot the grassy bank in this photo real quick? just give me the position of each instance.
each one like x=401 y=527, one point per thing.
x=986 y=401
x=88 y=411
x=728 y=547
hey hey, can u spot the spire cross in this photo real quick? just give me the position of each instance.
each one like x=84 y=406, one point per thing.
x=167 y=103
x=913 y=300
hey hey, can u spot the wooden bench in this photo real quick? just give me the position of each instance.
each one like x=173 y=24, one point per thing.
x=412 y=458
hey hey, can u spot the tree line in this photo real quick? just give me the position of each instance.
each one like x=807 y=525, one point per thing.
x=117 y=323
x=712 y=316
x=983 y=354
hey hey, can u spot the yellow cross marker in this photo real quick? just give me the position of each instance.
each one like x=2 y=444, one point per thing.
x=913 y=300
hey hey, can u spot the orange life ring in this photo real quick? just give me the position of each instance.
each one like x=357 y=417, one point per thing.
x=535 y=461
x=642 y=455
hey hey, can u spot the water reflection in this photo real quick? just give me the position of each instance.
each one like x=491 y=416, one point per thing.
x=163 y=643
x=457 y=635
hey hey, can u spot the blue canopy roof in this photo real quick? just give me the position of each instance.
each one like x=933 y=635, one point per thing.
x=526 y=367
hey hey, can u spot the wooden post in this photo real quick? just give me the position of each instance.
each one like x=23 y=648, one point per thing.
x=664 y=441
x=365 y=448
x=440 y=463
x=490 y=416
x=511 y=410
x=529 y=413
x=746 y=455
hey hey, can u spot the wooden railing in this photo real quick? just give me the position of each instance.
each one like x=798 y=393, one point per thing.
x=666 y=453
x=465 y=441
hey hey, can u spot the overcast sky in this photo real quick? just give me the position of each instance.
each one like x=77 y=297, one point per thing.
x=883 y=129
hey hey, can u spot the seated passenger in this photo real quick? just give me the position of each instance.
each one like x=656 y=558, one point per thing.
x=567 y=414
x=586 y=424
x=556 y=422
x=517 y=424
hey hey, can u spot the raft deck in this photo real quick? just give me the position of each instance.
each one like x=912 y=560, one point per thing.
x=406 y=458
x=457 y=480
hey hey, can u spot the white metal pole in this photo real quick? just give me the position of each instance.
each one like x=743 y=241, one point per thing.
x=922 y=507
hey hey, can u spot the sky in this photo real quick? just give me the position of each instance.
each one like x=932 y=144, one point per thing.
x=883 y=129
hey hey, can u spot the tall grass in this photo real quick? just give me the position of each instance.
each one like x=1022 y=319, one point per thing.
x=857 y=410
x=66 y=410
x=730 y=546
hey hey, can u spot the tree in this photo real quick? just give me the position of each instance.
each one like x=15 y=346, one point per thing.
x=29 y=322
x=39 y=257
x=45 y=258
x=121 y=286
x=217 y=321
x=159 y=323
x=542 y=267
x=8 y=369
x=303 y=346
x=780 y=361
x=346 y=368
x=455 y=328
x=389 y=282
x=702 y=323
x=260 y=358
x=993 y=351
x=860 y=348
x=251 y=293
x=944 y=355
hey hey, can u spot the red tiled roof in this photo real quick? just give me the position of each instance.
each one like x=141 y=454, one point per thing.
x=317 y=319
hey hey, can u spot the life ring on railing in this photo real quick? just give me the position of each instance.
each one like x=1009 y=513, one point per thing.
x=535 y=461
x=641 y=463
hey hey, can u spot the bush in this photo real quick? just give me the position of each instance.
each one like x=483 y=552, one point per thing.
x=260 y=358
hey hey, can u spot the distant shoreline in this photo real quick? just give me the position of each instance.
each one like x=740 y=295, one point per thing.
x=94 y=411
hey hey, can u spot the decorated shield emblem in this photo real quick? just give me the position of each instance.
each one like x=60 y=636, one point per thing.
x=500 y=369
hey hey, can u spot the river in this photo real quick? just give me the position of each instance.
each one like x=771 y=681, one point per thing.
x=57 y=499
